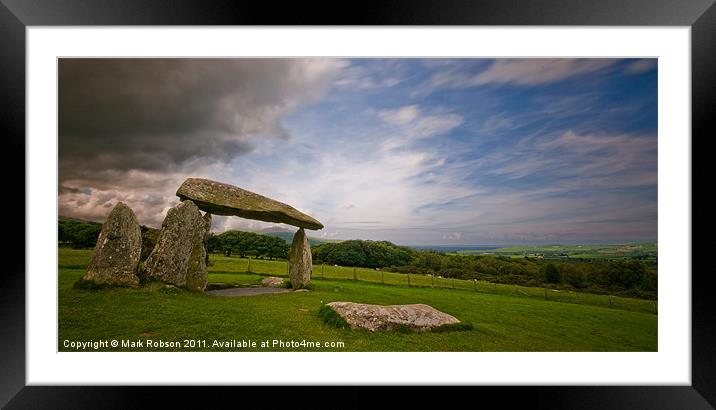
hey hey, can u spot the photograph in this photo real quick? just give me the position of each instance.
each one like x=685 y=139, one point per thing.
x=244 y=201
x=364 y=204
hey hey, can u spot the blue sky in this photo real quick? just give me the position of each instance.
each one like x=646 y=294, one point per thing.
x=438 y=151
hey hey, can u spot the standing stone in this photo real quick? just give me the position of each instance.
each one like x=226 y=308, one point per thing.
x=116 y=256
x=169 y=261
x=300 y=260
x=197 y=276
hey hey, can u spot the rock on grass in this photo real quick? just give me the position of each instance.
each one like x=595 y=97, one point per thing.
x=415 y=317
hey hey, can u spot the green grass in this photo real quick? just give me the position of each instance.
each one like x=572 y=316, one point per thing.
x=225 y=269
x=224 y=265
x=331 y=317
x=495 y=320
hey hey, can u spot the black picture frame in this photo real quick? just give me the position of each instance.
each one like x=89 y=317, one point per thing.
x=16 y=15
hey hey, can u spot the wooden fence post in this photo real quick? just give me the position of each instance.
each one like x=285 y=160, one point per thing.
x=610 y=300
x=354 y=273
x=249 y=268
x=381 y=277
x=453 y=283
x=321 y=270
x=408 y=280
x=432 y=281
x=475 y=281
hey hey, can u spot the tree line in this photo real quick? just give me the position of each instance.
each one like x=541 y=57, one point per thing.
x=246 y=244
x=621 y=277
x=630 y=277
x=78 y=234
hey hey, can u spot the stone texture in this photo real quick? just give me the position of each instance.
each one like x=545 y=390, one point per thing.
x=273 y=282
x=300 y=260
x=116 y=256
x=149 y=241
x=417 y=317
x=169 y=261
x=224 y=199
x=197 y=276
x=207 y=221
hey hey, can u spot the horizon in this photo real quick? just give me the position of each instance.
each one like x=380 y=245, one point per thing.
x=431 y=152
x=292 y=229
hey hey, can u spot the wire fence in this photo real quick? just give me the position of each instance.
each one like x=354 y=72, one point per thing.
x=334 y=272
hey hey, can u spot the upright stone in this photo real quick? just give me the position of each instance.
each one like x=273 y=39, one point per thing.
x=224 y=199
x=197 y=276
x=300 y=260
x=116 y=256
x=169 y=261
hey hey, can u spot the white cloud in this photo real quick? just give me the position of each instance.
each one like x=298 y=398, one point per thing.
x=532 y=71
x=409 y=124
x=400 y=116
x=522 y=71
x=378 y=76
x=359 y=181
x=641 y=66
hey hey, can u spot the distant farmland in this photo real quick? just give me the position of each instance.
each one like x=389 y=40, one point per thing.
x=647 y=252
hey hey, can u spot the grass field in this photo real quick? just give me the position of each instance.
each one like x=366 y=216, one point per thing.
x=503 y=318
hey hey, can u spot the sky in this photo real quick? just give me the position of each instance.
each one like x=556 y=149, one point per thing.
x=414 y=151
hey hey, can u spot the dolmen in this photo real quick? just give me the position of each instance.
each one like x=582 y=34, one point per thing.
x=179 y=251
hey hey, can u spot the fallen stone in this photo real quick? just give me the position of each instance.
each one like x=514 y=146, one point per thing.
x=169 y=261
x=273 y=282
x=224 y=199
x=116 y=255
x=416 y=317
x=197 y=275
x=300 y=261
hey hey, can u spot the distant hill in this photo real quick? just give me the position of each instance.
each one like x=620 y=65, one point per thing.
x=284 y=233
x=68 y=219
x=77 y=233
x=287 y=235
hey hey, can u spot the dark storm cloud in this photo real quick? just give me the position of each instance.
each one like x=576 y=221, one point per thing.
x=159 y=114
x=132 y=129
